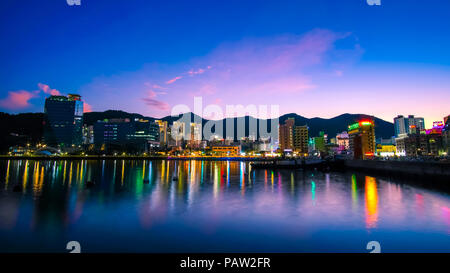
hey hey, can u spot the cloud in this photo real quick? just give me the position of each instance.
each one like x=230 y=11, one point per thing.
x=249 y=71
x=17 y=100
x=199 y=71
x=48 y=90
x=86 y=107
x=151 y=101
x=174 y=79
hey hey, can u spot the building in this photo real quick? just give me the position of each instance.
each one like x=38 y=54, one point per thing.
x=403 y=126
x=301 y=139
x=177 y=134
x=400 y=146
x=446 y=135
x=286 y=135
x=423 y=145
x=88 y=134
x=162 y=132
x=386 y=147
x=138 y=135
x=225 y=150
x=430 y=142
x=320 y=142
x=343 y=142
x=63 y=121
x=195 y=136
x=362 y=139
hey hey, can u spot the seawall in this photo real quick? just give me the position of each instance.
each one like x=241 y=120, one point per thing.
x=410 y=168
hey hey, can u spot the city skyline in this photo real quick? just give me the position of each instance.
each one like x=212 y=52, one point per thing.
x=145 y=57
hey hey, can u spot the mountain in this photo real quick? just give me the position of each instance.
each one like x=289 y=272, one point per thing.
x=26 y=128
x=20 y=129
x=338 y=124
x=92 y=117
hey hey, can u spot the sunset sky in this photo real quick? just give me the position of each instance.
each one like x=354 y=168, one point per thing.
x=315 y=58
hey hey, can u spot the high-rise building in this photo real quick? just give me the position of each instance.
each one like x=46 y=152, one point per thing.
x=162 y=131
x=301 y=139
x=177 y=133
x=362 y=139
x=286 y=135
x=63 y=121
x=195 y=136
x=404 y=125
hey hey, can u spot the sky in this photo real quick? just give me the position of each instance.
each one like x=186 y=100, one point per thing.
x=314 y=58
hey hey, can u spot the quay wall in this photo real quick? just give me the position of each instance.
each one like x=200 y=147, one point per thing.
x=435 y=169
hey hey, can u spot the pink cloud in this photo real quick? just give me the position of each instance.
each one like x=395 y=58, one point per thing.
x=48 y=90
x=87 y=107
x=17 y=99
x=151 y=100
x=250 y=71
x=174 y=80
x=196 y=72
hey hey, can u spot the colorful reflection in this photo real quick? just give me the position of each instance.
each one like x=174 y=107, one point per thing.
x=208 y=196
x=354 y=192
x=371 y=196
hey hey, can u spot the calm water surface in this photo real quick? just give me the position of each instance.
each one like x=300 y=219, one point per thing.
x=212 y=207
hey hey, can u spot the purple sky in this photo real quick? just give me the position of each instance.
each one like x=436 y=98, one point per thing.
x=306 y=74
x=314 y=58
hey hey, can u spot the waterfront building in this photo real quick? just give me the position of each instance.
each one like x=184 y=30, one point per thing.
x=384 y=150
x=225 y=150
x=343 y=142
x=311 y=146
x=286 y=135
x=88 y=134
x=162 y=131
x=320 y=142
x=138 y=135
x=362 y=139
x=400 y=146
x=423 y=145
x=300 y=139
x=265 y=146
x=195 y=136
x=177 y=133
x=437 y=128
x=63 y=121
x=446 y=135
x=20 y=151
x=404 y=125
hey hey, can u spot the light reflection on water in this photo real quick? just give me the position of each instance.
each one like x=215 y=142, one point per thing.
x=208 y=206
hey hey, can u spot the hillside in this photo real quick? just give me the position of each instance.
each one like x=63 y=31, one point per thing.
x=28 y=127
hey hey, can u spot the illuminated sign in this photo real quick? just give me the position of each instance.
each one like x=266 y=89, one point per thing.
x=365 y=123
x=353 y=126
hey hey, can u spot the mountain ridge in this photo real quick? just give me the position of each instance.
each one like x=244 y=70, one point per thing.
x=23 y=128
